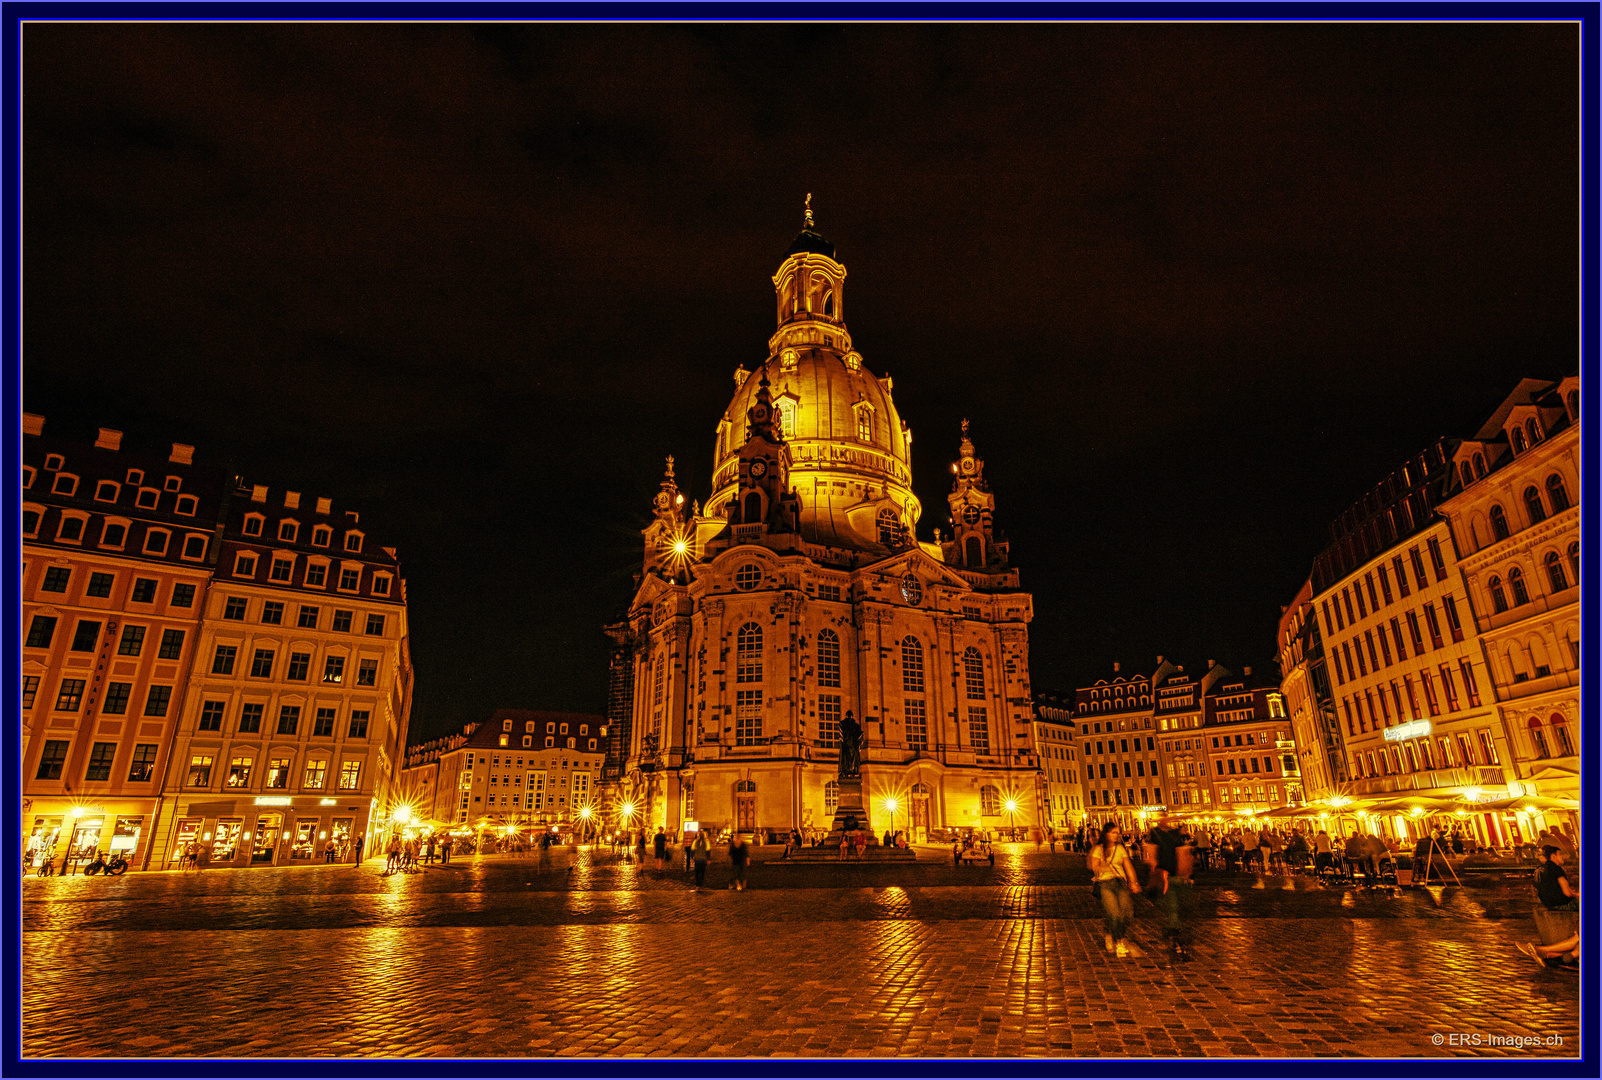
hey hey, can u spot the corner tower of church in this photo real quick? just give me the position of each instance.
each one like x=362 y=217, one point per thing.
x=801 y=595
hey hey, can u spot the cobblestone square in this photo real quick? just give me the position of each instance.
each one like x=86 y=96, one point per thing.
x=584 y=955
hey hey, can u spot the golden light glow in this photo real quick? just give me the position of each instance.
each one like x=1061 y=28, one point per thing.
x=891 y=804
x=628 y=809
x=1417 y=811
x=585 y=813
x=1011 y=806
x=403 y=814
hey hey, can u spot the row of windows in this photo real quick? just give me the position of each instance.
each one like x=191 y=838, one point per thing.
x=282 y=568
x=298 y=669
x=279 y=770
x=1557 y=580
x=1238 y=765
x=1364 y=654
x=1137 y=768
x=1110 y=748
x=114 y=534
x=109 y=490
x=1372 y=603
x=57 y=578
x=1421 y=755
x=251 y=713
x=86 y=638
x=134 y=477
x=69 y=696
x=1535 y=510
x=272 y=614
x=1560 y=737
x=289 y=531
x=102 y=756
x=1357 y=722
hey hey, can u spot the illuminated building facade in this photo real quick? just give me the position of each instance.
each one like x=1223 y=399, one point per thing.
x=1513 y=508
x=1305 y=686
x=520 y=768
x=118 y=549
x=800 y=593
x=1060 y=783
x=1249 y=746
x=1415 y=702
x=1118 y=733
x=293 y=721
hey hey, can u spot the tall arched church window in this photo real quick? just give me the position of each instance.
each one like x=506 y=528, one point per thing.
x=752 y=514
x=828 y=303
x=989 y=801
x=831 y=797
x=1574 y=561
x=1499 y=523
x=911 y=665
x=973 y=669
x=1560 y=731
x=1498 y=597
x=891 y=534
x=864 y=423
x=1557 y=493
x=973 y=551
x=1538 y=738
x=748 y=654
x=1533 y=505
x=787 y=419
x=828 y=658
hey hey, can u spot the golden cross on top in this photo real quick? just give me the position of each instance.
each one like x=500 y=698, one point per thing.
x=809 y=209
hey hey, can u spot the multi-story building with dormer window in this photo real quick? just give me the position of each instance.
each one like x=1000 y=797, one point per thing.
x=801 y=594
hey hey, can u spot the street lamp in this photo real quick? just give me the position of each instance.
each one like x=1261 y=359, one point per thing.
x=1011 y=806
x=890 y=804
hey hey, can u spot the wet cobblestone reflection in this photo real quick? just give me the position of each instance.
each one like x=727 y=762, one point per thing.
x=493 y=957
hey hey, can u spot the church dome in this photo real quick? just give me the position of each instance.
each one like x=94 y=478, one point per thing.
x=850 y=454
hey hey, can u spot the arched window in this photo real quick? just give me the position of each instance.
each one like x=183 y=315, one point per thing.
x=973 y=668
x=828 y=303
x=1499 y=523
x=1574 y=561
x=1532 y=430
x=1515 y=582
x=864 y=423
x=1468 y=474
x=973 y=551
x=1557 y=494
x=1498 y=597
x=1538 y=738
x=911 y=665
x=891 y=534
x=989 y=801
x=748 y=577
x=1479 y=465
x=744 y=787
x=787 y=419
x=1533 y=505
x=1554 y=572
x=1560 y=731
x=1574 y=404
x=831 y=797
x=748 y=654
x=1518 y=440
x=752 y=514
x=828 y=658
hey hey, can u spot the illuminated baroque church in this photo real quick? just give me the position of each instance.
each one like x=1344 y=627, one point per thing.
x=800 y=593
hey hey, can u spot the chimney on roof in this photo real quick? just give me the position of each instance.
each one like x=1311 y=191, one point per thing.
x=1115 y=666
x=109 y=439
x=1247 y=669
x=355 y=518
x=325 y=506
x=292 y=500
x=1209 y=665
x=182 y=454
x=32 y=424
x=258 y=493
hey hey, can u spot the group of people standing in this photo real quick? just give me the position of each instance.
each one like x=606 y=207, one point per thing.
x=408 y=854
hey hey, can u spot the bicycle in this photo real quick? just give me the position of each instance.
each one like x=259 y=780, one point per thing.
x=116 y=866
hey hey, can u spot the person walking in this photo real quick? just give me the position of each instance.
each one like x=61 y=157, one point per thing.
x=1168 y=857
x=1251 y=845
x=701 y=853
x=392 y=852
x=639 y=846
x=445 y=849
x=1051 y=837
x=660 y=844
x=361 y=841
x=739 y=855
x=689 y=846
x=1113 y=879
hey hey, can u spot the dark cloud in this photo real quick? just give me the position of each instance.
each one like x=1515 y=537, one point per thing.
x=1197 y=286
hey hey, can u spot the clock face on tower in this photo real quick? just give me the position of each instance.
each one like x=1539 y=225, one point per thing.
x=967 y=464
x=970 y=516
x=760 y=413
x=759 y=468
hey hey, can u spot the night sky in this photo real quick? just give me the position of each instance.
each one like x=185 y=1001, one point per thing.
x=1197 y=288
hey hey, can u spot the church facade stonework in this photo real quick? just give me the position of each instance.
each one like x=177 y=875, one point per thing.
x=801 y=596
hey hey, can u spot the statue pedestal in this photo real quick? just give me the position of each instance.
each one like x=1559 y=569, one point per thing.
x=850 y=816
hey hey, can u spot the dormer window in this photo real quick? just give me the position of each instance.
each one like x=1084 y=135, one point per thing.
x=28 y=475
x=54 y=461
x=106 y=491
x=1532 y=430
x=1479 y=465
x=173 y=483
x=380 y=584
x=253 y=524
x=65 y=484
x=71 y=528
x=186 y=505
x=113 y=534
x=353 y=541
x=1516 y=436
x=195 y=546
x=156 y=542
x=135 y=477
x=322 y=535
x=288 y=530
x=865 y=423
x=245 y=565
x=31 y=516
x=146 y=499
